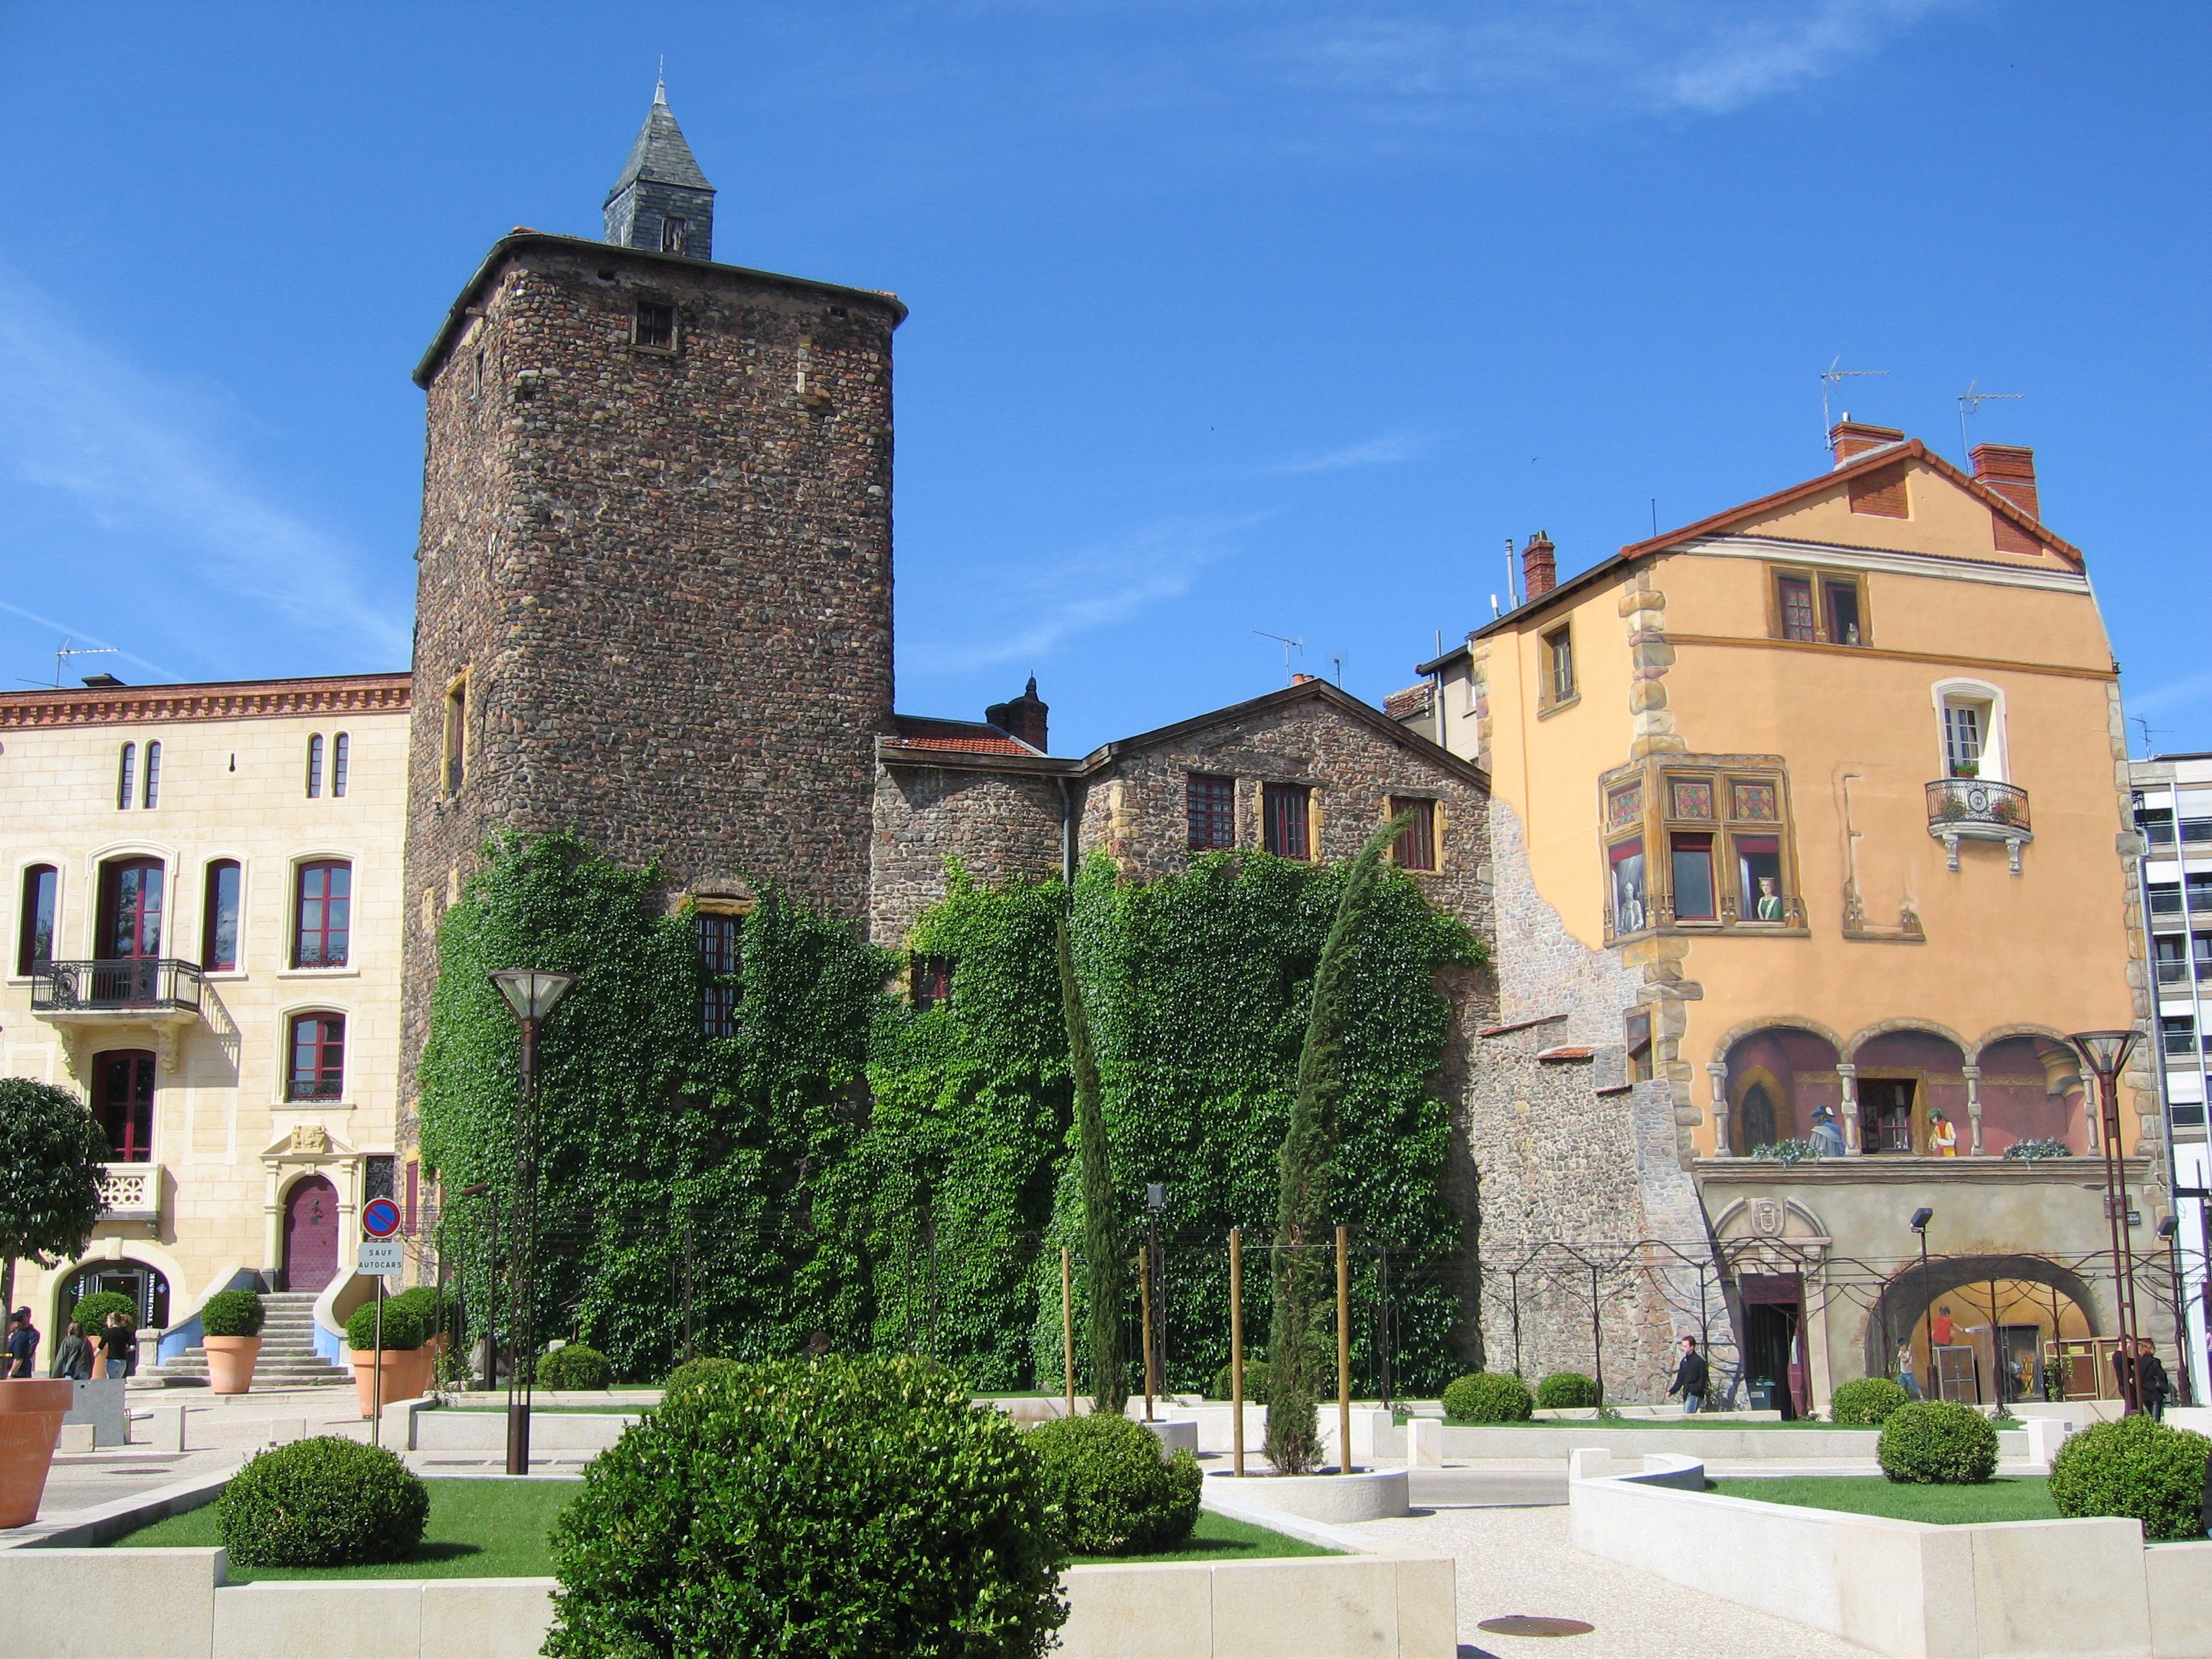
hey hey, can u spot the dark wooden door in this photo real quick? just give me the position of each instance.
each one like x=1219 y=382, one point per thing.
x=123 y=1103
x=311 y=1234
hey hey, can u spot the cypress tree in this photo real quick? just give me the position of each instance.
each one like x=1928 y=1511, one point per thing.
x=1102 y=1245
x=1299 y=1339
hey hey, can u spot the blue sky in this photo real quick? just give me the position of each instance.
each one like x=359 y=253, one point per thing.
x=1227 y=316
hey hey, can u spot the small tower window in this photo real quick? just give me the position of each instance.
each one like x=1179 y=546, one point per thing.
x=126 y=776
x=672 y=231
x=656 y=325
x=315 y=767
x=341 y=755
x=152 y=795
x=457 y=734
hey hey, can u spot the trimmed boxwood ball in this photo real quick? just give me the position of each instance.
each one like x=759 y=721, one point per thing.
x=1866 y=1402
x=1566 y=1391
x=575 y=1366
x=425 y=1303
x=1489 y=1397
x=402 y=1330
x=833 y=1506
x=321 y=1502
x=696 y=1376
x=232 y=1313
x=2136 y=1466
x=92 y=1311
x=1937 y=1442
x=1115 y=1493
x=1256 y=1382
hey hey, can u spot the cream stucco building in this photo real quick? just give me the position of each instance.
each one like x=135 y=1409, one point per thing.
x=204 y=882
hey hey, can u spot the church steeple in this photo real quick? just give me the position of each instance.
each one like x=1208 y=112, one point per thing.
x=662 y=201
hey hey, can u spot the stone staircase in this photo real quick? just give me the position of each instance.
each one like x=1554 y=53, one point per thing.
x=287 y=1360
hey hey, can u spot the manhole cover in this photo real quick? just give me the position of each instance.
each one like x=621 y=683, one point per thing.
x=1522 y=1624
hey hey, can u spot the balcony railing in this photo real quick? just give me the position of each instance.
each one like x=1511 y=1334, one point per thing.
x=2177 y=973
x=131 y=1192
x=1978 y=808
x=151 y=984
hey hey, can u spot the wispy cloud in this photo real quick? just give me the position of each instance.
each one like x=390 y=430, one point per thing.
x=134 y=451
x=2176 y=694
x=1757 y=56
x=77 y=637
x=1029 y=612
x=1383 y=451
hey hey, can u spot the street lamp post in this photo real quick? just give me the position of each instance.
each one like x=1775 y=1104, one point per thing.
x=2105 y=1053
x=1921 y=1217
x=1156 y=1199
x=532 y=993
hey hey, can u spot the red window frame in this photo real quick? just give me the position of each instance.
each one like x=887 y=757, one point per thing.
x=1687 y=855
x=930 y=982
x=34 y=944
x=316 y=1070
x=322 y=914
x=1287 y=813
x=1416 y=847
x=1211 y=809
x=1794 y=595
x=123 y=1101
x=226 y=892
x=131 y=893
x=719 y=957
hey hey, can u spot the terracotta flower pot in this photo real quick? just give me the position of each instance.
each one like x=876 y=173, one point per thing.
x=398 y=1367
x=419 y=1374
x=31 y=1412
x=230 y=1361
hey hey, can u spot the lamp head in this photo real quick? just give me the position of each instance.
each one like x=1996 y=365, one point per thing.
x=2168 y=1226
x=2104 y=1052
x=1921 y=1217
x=1155 y=1195
x=531 y=992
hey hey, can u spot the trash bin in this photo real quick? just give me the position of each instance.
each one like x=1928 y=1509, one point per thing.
x=1762 y=1393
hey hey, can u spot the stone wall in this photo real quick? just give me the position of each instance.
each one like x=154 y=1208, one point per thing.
x=1000 y=825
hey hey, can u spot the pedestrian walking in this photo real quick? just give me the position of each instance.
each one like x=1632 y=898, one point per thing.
x=1905 y=1374
x=1692 y=1377
x=2123 y=1377
x=2153 y=1387
x=73 y=1357
x=22 y=1344
x=118 y=1343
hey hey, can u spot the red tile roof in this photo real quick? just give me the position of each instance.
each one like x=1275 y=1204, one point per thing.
x=962 y=737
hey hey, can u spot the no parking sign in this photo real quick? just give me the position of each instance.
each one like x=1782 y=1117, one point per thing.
x=379 y=1217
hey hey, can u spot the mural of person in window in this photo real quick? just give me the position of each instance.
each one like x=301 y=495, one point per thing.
x=1942 y=1137
x=1770 y=899
x=1827 y=1135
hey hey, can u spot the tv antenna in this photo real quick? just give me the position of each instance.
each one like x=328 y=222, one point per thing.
x=1970 y=402
x=1338 y=659
x=1832 y=379
x=1288 y=677
x=2150 y=748
x=65 y=651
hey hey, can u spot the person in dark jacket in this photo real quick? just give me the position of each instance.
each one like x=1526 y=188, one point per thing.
x=73 y=1357
x=2154 y=1387
x=1692 y=1377
x=22 y=1344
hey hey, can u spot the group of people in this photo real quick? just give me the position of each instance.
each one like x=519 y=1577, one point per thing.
x=109 y=1347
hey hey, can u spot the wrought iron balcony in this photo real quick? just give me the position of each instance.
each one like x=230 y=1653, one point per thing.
x=162 y=987
x=1978 y=808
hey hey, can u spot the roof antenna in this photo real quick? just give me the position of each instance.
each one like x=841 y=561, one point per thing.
x=2150 y=751
x=1970 y=403
x=1338 y=659
x=1288 y=678
x=660 y=80
x=1831 y=378
x=66 y=651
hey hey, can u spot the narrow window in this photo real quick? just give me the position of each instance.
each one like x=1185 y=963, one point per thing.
x=319 y=1065
x=475 y=385
x=1212 y=810
x=129 y=910
x=376 y=1175
x=1965 y=731
x=153 y=794
x=413 y=1195
x=35 y=943
x=1844 y=613
x=672 y=236
x=456 y=729
x=341 y=754
x=1693 y=877
x=315 y=767
x=932 y=982
x=126 y=780
x=1794 y=594
x=219 y=926
x=1284 y=807
x=1759 y=878
x=122 y=1104
x=1639 y=1032
x=656 y=325
x=1416 y=847
x=718 y=959
x=1560 y=664
x=323 y=914
x=1629 y=914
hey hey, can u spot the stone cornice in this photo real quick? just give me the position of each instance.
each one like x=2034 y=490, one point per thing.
x=240 y=700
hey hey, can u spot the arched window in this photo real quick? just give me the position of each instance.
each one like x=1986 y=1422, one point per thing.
x=1757 y=1111
x=129 y=910
x=126 y=776
x=219 y=925
x=152 y=795
x=34 y=941
x=123 y=1103
x=314 y=765
x=1971 y=726
x=340 y=757
x=322 y=915
x=317 y=1064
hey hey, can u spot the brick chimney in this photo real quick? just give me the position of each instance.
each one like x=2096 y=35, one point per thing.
x=2009 y=470
x=1540 y=568
x=1848 y=437
x=1023 y=718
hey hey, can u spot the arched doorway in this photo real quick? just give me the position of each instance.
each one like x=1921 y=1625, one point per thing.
x=311 y=1234
x=1755 y=1118
x=2031 y=1090
x=1913 y=1094
x=1996 y=1314
x=147 y=1287
x=1782 y=1086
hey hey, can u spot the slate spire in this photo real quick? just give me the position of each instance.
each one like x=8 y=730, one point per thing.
x=662 y=201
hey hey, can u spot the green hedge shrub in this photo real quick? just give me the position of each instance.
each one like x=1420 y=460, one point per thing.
x=832 y=1506
x=92 y=1311
x=321 y=1502
x=693 y=1376
x=1256 y=1382
x=2135 y=1466
x=1115 y=1493
x=575 y=1366
x=1489 y=1397
x=1566 y=1391
x=232 y=1313
x=402 y=1330
x=1937 y=1442
x=1866 y=1403
x=428 y=1307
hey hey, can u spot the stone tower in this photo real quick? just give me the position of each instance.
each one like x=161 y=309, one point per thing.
x=653 y=600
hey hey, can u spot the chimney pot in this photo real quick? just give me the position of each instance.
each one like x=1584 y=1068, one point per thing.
x=2009 y=469
x=1023 y=718
x=1539 y=566
x=1848 y=437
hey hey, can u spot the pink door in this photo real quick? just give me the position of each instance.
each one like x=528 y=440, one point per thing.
x=311 y=1234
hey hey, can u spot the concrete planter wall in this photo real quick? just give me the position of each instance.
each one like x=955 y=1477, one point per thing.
x=1337 y=1500
x=1756 y=1443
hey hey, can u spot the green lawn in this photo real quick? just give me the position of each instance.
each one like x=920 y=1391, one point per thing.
x=477 y=1529
x=2026 y=1499
x=1218 y=1538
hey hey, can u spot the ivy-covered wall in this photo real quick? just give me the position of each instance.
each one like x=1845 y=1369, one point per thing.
x=902 y=1179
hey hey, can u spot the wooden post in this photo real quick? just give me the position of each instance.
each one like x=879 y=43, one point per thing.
x=1343 y=1351
x=1144 y=1313
x=1067 y=1322
x=1236 y=1346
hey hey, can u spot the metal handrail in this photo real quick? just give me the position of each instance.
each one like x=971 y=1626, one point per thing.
x=129 y=982
x=1970 y=803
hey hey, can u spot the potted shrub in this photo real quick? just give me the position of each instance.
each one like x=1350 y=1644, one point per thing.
x=230 y=1325
x=423 y=1302
x=402 y=1336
